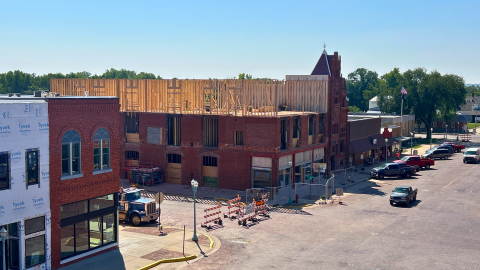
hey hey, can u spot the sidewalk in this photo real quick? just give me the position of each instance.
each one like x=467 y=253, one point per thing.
x=141 y=246
x=185 y=192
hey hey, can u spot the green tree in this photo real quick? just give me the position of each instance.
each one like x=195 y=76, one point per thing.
x=361 y=87
x=430 y=95
x=354 y=109
x=245 y=76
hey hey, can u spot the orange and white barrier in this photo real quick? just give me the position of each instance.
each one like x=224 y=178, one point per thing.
x=212 y=215
x=234 y=207
x=260 y=209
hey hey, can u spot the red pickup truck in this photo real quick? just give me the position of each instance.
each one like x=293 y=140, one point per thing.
x=457 y=147
x=417 y=161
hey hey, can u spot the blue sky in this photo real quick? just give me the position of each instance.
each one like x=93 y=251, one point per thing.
x=219 y=39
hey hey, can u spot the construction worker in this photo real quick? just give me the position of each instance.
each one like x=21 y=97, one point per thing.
x=398 y=154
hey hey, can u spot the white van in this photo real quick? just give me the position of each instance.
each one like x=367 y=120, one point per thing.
x=471 y=155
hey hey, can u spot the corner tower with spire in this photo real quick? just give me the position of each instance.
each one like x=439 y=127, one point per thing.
x=337 y=113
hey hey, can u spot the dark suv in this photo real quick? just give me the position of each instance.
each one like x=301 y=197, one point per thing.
x=438 y=153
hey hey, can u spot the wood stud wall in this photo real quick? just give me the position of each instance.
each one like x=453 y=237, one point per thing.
x=260 y=98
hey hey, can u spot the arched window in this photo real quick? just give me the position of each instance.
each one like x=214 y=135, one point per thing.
x=71 y=163
x=101 y=149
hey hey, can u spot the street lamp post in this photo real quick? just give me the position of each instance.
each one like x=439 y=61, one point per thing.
x=386 y=151
x=290 y=182
x=3 y=236
x=431 y=135
x=476 y=111
x=411 y=143
x=194 y=187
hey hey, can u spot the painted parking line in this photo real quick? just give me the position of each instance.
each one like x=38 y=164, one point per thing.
x=453 y=181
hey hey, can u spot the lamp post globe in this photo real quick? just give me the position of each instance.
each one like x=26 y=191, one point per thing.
x=411 y=143
x=194 y=187
x=386 y=151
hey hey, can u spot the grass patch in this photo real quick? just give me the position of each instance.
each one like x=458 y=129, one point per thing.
x=427 y=141
x=472 y=125
x=418 y=146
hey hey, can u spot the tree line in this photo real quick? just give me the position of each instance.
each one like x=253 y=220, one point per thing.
x=25 y=83
x=430 y=95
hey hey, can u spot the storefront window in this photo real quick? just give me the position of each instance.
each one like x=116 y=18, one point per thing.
x=262 y=178
x=81 y=237
x=283 y=177
x=101 y=202
x=109 y=229
x=73 y=209
x=35 y=251
x=97 y=225
x=67 y=241
x=95 y=232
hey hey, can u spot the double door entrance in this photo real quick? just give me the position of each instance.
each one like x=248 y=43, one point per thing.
x=12 y=247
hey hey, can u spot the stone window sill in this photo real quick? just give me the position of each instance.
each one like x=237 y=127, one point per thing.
x=66 y=177
x=101 y=171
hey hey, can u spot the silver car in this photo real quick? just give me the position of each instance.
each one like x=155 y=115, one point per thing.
x=438 y=153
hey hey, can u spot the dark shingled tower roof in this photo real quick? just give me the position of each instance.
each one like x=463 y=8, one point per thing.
x=323 y=65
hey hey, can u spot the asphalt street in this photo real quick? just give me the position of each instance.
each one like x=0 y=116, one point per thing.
x=439 y=231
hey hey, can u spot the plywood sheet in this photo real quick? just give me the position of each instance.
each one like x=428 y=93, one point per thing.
x=174 y=173
x=133 y=137
x=210 y=171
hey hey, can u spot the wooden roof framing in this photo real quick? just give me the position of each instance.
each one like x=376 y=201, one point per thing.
x=257 y=98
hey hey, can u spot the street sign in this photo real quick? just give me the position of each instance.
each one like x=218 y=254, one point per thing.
x=159 y=197
x=339 y=191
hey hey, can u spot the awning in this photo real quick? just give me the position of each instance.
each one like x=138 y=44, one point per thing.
x=401 y=139
x=367 y=143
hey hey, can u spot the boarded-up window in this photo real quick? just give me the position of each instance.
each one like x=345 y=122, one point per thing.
x=210 y=161
x=154 y=135
x=174 y=158
x=210 y=132
x=238 y=137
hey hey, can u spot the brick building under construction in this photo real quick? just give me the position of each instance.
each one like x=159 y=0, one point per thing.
x=233 y=134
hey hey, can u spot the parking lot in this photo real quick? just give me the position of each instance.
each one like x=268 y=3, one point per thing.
x=438 y=231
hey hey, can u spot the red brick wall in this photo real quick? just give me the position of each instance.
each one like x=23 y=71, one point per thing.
x=337 y=114
x=84 y=115
x=261 y=138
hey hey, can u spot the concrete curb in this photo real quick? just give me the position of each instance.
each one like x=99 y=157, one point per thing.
x=211 y=240
x=191 y=257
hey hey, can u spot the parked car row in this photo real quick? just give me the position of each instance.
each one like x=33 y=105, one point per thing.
x=405 y=194
x=405 y=167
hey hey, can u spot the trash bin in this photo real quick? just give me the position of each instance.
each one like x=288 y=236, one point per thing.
x=415 y=152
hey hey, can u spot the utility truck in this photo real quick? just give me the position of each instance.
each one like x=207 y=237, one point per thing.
x=135 y=208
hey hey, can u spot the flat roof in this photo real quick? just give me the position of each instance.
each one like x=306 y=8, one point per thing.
x=32 y=98
x=14 y=101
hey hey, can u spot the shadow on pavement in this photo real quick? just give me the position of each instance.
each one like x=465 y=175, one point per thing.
x=111 y=260
x=372 y=189
x=288 y=211
x=413 y=204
